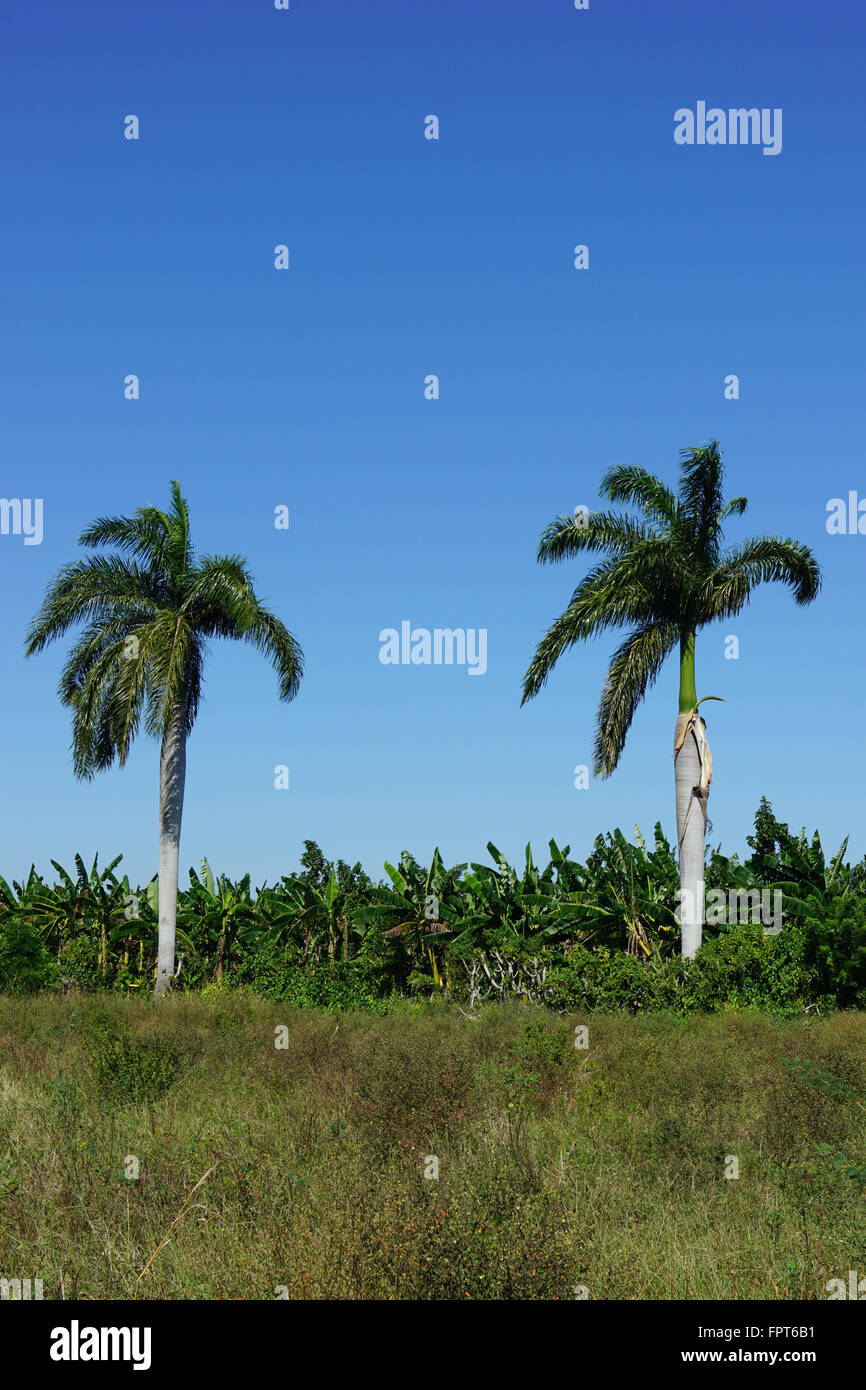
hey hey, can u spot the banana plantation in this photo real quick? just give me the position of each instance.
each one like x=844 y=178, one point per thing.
x=607 y=928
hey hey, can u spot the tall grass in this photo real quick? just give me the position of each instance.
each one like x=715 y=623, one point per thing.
x=559 y=1169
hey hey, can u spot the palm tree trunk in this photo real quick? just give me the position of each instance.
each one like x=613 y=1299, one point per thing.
x=172 y=776
x=692 y=791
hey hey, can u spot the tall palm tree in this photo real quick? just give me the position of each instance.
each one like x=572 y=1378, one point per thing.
x=148 y=612
x=664 y=577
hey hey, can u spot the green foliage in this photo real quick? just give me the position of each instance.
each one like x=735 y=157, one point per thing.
x=421 y=908
x=630 y=893
x=26 y=964
x=662 y=577
x=128 y=1068
x=504 y=908
x=79 y=964
x=217 y=915
x=799 y=867
x=603 y=933
x=146 y=610
x=608 y=981
x=549 y=1044
x=745 y=968
x=740 y=969
x=274 y=972
x=834 y=951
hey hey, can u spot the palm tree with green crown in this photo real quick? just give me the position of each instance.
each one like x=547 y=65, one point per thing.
x=148 y=612
x=664 y=577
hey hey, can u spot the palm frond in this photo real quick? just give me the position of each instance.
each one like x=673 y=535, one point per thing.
x=635 y=485
x=701 y=495
x=619 y=592
x=143 y=535
x=567 y=536
x=633 y=670
x=763 y=560
x=98 y=588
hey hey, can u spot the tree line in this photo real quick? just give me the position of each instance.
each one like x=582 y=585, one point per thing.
x=425 y=929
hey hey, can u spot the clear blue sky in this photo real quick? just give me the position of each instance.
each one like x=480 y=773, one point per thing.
x=306 y=388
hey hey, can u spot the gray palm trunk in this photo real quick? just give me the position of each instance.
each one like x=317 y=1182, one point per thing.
x=691 y=765
x=172 y=777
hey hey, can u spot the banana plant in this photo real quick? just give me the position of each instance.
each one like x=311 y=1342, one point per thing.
x=320 y=906
x=417 y=909
x=503 y=908
x=796 y=867
x=804 y=875
x=220 y=910
x=90 y=901
x=301 y=910
x=107 y=904
x=60 y=910
x=279 y=909
x=632 y=890
x=13 y=899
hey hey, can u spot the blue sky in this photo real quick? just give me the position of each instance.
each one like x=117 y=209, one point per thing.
x=305 y=388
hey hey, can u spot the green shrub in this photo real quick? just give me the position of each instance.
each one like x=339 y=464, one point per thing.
x=128 y=1069
x=26 y=965
x=747 y=969
x=834 y=952
x=273 y=972
x=742 y=968
x=609 y=981
x=541 y=1042
x=79 y=963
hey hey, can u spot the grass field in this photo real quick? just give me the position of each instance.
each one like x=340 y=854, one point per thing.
x=559 y=1169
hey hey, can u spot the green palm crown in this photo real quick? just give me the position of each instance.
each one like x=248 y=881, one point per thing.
x=147 y=613
x=665 y=575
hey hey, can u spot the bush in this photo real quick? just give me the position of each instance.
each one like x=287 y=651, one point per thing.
x=747 y=969
x=273 y=972
x=742 y=968
x=128 y=1069
x=551 y=1046
x=79 y=964
x=834 y=952
x=26 y=964
x=608 y=981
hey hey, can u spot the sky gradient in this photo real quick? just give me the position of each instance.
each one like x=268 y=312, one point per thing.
x=306 y=388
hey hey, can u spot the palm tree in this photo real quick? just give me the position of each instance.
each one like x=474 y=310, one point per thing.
x=148 y=612
x=664 y=577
